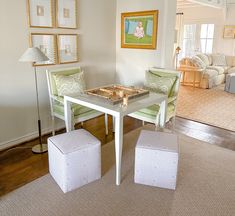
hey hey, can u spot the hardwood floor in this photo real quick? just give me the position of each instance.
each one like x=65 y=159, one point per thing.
x=206 y=133
x=19 y=165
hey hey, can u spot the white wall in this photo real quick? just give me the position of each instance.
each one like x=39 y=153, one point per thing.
x=18 y=118
x=131 y=63
x=99 y=52
x=211 y=15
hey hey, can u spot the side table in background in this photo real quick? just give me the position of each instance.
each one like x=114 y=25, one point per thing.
x=192 y=70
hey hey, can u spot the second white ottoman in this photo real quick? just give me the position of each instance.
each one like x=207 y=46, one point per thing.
x=74 y=159
x=156 y=159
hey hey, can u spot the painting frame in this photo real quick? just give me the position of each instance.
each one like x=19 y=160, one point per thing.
x=229 y=32
x=49 y=49
x=138 y=35
x=36 y=12
x=70 y=49
x=67 y=18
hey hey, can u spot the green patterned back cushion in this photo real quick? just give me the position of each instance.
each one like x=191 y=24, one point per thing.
x=160 y=82
x=66 y=71
x=70 y=84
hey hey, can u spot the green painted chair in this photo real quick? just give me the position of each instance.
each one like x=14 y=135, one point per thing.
x=160 y=81
x=80 y=113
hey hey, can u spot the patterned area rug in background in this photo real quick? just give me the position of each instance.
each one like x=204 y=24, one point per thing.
x=210 y=106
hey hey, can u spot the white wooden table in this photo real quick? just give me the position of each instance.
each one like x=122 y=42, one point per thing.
x=118 y=112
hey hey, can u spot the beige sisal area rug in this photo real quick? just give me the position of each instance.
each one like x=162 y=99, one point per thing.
x=211 y=106
x=206 y=186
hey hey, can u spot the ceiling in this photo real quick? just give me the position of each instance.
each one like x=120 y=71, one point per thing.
x=223 y=5
x=185 y=4
x=211 y=3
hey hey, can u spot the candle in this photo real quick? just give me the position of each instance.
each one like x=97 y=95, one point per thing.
x=125 y=100
x=121 y=93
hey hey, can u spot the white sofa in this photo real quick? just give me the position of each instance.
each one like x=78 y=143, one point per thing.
x=215 y=67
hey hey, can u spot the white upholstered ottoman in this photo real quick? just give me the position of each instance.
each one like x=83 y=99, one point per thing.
x=156 y=159
x=74 y=159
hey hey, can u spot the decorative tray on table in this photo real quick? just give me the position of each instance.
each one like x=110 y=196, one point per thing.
x=114 y=93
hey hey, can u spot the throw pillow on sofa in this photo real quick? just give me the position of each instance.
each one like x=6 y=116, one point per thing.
x=204 y=58
x=230 y=60
x=219 y=60
x=198 y=62
x=209 y=56
x=70 y=84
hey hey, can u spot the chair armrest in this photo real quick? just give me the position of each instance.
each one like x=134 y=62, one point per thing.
x=56 y=98
x=172 y=99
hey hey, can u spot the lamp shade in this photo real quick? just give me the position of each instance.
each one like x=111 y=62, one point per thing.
x=33 y=54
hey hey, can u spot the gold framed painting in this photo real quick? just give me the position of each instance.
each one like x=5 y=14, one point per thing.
x=66 y=14
x=47 y=44
x=139 y=29
x=67 y=48
x=40 y=13
x=229 y=31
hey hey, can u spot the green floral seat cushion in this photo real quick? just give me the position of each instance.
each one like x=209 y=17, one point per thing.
x=154 y=109
x=160 y=82
x=58 y=107
x=69 y=84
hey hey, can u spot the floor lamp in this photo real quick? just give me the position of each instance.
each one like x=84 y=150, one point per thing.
x=34 y=55
x=177 y=52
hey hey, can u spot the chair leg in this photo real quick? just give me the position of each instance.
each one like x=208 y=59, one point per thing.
x=157 y=128
x=53 y=125
x=143 y=123
x=173 y=123
x=106 y=124
x=157 y=123
x=73 y=123
x=170 y=125
x=113 y=124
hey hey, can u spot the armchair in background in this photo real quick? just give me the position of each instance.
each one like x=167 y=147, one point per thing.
x=160 y=81
x=68 y=81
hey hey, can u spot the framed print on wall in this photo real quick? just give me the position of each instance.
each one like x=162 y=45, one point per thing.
x=229 y=32
x=40 y=13
x=66 y=14
x=47 y=44
x=67 y=48
x=139 y=29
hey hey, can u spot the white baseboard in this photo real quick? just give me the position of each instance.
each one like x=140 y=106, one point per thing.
x=30 y=136
x=25 y=138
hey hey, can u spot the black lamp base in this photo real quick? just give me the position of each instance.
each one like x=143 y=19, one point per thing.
x=39 y=149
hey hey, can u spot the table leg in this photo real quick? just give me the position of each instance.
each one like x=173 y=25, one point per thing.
x=67 y=115
x=118 y=146
x=163 y=113
x=106 y=119
x=194 y=79
x=200 y=80
x=113 y=124
x=183 y=77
